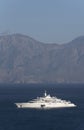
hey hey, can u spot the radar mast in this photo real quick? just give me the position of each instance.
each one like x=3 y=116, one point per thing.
x=45 y=94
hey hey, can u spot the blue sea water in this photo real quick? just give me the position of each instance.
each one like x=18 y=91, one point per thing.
x=12 y=118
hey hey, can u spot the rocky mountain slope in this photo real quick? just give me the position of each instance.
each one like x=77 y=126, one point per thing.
x=25 y=60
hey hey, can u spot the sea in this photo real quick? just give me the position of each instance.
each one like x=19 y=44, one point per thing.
x=12 y=118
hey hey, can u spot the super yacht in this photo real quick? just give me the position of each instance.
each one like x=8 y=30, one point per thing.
x=46 y=102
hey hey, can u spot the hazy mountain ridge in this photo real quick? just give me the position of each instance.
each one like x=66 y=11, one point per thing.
x=25 y=60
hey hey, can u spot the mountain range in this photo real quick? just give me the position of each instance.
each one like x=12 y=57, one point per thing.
x=26 y=60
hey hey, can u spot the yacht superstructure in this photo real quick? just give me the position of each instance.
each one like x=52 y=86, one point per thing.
x=46 y=102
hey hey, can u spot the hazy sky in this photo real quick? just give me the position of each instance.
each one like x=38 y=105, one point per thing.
x=56 y=21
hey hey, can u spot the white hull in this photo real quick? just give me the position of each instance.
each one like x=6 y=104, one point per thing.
x=45 y=106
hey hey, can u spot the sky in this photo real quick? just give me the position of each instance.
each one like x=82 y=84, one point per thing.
x=49 y=21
